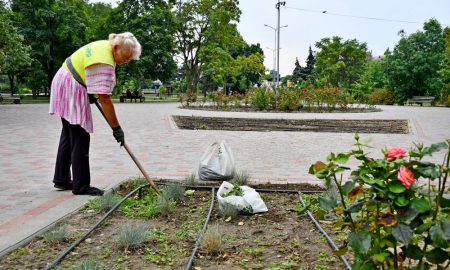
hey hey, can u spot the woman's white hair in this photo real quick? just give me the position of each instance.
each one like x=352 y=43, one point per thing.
x=126 y=41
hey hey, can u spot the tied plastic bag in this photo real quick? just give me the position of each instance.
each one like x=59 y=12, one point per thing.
x=217 y=163
x=250 y=201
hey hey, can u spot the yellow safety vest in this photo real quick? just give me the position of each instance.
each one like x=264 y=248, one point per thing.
x=97 y=52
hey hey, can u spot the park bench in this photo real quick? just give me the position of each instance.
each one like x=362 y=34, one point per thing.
x=131 y=96
x=7 y=98
x=420 y=100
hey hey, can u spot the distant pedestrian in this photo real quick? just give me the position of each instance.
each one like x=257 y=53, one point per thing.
x=87 y=72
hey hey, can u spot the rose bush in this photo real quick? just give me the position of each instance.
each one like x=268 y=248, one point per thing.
x=395 y=222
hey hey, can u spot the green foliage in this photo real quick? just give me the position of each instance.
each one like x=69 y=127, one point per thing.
x=227 y=210
x=145 y=207
x=340 y=63
x=387 y=210
x=235 y=191
x=165 y=205
x=197 y=24
x=174 y=192
x=56 y=236
x=413 y=67
x=132 y=236
x=259 y=97
x=372 y=79
x=381 y=96
x=104 y=203
x=212 y=241
x=241 y=178
x=88 y=264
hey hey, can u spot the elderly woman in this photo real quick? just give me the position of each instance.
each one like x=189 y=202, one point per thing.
x=88 y=71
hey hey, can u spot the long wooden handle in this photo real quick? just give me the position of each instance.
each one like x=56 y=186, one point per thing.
x=133 y=157
x=138 y=164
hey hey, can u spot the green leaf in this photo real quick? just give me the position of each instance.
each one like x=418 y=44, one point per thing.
x=402 y=233
x=409 y=215
x=437 y=256
x=436 y=147
x=327 y=203
x=347 y=187
x=356 y=207
x=342 y=158
x=437 y=235
x=302 y=210
x=421 y=205
x=412 y=251
x=431 y=171
x=341 y=251
x=401 y=201
x=396 y=187
x=445 y=201
x=360 y=241
x=381 y=257
x=446 y=228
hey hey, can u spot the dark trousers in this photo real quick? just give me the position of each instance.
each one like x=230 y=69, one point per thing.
x=73 y=150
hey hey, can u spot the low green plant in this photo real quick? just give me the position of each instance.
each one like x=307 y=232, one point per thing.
x=132 y=236
x=165 y=205
x=227 y=210
x=241 y=178
x=381 y=96
x=394 y=221
x=174 y=192
x=144 y=207
x=88 y=264
x=58 y=235
x=254 y=252
x=104 y=203
x=212 y=241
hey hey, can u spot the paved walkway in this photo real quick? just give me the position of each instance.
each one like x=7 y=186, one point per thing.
x=29 y=139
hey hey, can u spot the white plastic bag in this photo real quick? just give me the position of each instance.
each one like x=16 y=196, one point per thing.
x=250 y=198
x=217 y=163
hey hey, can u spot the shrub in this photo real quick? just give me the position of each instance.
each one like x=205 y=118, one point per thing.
x=59 y=235
x=381 y=96
x=88 y=264
x=241 y=178
x=162 y=91
x=165 y=205
x=212 y=241
x=132 y=236
x=259 y=99
x=395 y=223
x=227 y=210
x=104 y=203
x=174 y=192
x=288 y=100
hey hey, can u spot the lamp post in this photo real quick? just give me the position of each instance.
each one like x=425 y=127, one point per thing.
x=277 y=6
x=277 y=49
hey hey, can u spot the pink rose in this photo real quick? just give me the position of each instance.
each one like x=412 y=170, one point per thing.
x=395 y=152
x=406 y=176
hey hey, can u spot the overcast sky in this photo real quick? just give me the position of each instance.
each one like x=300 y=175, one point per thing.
x=307 y=24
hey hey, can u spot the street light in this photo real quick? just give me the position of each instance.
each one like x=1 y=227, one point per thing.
x=276 y=59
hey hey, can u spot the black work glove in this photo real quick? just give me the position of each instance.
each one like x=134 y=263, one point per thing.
x=92 y=98
x=119 y=135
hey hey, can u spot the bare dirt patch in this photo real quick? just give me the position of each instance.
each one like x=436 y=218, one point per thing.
x=307 y=125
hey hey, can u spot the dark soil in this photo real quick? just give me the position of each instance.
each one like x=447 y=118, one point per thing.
x=312 y=109
x=309 y=125
x=277 y=239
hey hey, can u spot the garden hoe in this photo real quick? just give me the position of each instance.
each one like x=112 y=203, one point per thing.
x=133 y=157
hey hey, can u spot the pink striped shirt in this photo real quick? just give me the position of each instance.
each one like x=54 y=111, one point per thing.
x=69 y=99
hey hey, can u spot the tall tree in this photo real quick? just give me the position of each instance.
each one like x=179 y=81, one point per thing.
x=53 y=28
x=203 y=25
x=152 y=22
x=296 y=74
x=413 y=66
x=14 y=54
x=340 y=63
x=308 y=71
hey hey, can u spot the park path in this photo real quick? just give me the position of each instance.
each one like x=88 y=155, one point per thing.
x=29 y=139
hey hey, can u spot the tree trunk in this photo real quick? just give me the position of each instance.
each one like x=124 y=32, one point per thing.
x=11 y=82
